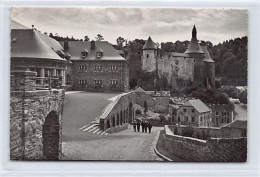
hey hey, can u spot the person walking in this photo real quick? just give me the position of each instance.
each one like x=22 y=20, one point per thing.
x=145 y=126
x=134 y=125
x=142 y=124
x=138 y=126
x=150 y=127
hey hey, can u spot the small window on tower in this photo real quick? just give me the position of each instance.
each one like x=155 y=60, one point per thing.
x=147 y=55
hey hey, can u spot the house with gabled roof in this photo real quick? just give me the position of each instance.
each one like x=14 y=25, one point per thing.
x=193 y=112
x=97 y=66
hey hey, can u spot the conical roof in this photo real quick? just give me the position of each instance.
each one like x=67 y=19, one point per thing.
x=206 y=54
x=149 y=45
x=194 y=46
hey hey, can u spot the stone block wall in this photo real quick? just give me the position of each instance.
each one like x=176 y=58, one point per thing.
x=31 y=113
x=212 y=150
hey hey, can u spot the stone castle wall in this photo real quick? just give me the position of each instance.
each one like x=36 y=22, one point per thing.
x=29 y=109
x=212 y=150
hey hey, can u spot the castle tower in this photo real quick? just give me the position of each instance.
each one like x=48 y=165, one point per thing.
x=149 y=56
x=209 y=68
x=194 y=50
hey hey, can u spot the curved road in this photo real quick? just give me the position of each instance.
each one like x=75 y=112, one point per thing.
x=83 y=107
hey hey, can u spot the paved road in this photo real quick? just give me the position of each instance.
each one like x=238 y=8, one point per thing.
x=121 y=146
x=80 y=109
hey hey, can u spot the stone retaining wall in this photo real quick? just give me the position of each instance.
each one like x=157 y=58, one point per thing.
x=212 y=150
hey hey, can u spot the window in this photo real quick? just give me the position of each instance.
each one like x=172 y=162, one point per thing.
x=184 y=110
x=179 y=119
x=201 y=119
x=113 y=68
x=201 y=71
x=97 y=67
x=193 y=110
x=228 y=120
x=82 y=67
x=68 y=80
x=82 y=82
x=84 y=54
x=138 y=95
x=222 y=120
x=113 y=83
x=193 y=119
x=98 y=82
x=147 y=55
x=176 y=62
x=216 y=113
x=99 y=54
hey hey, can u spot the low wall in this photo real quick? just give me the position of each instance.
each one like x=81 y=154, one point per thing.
x=212 y=150
x=117 y=128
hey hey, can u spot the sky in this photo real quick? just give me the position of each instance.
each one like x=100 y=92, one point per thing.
x=162 y=24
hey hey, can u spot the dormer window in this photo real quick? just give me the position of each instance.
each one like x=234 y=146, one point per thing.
x=84 y=53
x=99 y=53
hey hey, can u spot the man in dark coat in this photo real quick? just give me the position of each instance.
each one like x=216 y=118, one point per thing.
x=142 y=124
x=134 y=125
x=150 y=127
x=145 y=127
x=138 y=126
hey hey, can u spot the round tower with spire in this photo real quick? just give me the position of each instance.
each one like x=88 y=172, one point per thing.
x=194 y=50
x=149 y=56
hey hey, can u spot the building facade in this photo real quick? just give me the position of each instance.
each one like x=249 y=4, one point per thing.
x=33 y=51
x=193 y=112
x=97 y=66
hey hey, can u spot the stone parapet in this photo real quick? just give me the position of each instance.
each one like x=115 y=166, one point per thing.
x=23 y=80
x=212 y=150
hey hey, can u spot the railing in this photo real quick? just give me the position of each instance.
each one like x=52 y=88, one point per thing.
x=50 y=82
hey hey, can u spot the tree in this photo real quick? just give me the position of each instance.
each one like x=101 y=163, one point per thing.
x=86 y=38
x=145 y=107
x=120 y=41
x=243 y=97
x=99 y=37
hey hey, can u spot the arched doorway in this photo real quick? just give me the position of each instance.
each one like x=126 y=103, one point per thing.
x=130 y=113
x=51 y=137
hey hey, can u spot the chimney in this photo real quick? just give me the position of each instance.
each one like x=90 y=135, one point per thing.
x=92 y=46
x=66 y=45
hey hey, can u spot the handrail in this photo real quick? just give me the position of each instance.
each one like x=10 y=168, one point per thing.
x=48 y=82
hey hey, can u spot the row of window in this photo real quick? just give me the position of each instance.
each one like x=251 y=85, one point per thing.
x=222 y=120
x=186 y=118
x=85 y=54
x=223 y=113
x=98 y=67
x=185 y=110
x=99 y=82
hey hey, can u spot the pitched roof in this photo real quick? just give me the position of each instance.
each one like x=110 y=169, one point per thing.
x=237 y=124
x=206 y=55
x=149 y=44
x=76 y=47
x=139 y=89
x=16 y=25
x=198 y=105
x=29 y=43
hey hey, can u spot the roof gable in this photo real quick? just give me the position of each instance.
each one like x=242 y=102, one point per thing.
x=198 y=105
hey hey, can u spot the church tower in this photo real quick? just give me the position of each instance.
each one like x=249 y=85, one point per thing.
x=149 y=56
x=194 y=50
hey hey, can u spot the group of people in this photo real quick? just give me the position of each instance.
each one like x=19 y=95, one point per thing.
x=144 y=124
